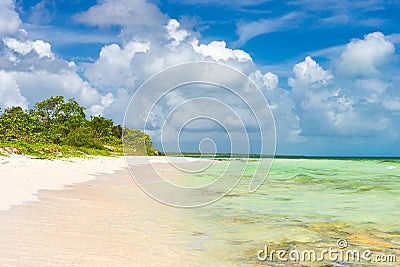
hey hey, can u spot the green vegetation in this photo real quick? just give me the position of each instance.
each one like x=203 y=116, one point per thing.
x=58 y=128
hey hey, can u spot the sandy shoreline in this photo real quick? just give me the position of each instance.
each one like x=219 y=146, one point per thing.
x=22 y=177
x=107 y=221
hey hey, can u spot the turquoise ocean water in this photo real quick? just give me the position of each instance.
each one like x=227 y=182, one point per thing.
x=304 y=204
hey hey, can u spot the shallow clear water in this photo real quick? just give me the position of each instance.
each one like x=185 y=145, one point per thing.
x=304 y=204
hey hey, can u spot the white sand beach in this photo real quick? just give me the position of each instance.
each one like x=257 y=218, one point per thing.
x=55 y=213
x=22 y=177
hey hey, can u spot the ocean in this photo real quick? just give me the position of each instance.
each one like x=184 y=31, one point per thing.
x=343 y=205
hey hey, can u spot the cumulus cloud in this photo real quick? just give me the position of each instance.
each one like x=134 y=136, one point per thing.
x=31 y=72
x=10 y=94
x=127 y=65
x=365 y=57
x=373 y=85
x=37 y=86
x=326 y=110
x=318 y=103
x=268 y=80
x=9 y=19
x=121 y=69
x=394 y=38
x=41 y=48
x=114 y=66
x=309 y=74
x=176 y=34
x=282 y=106
x=218 y=51
x=98 y=109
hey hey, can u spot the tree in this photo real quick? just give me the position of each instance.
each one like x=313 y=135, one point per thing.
x=46 y=111
x=58 y=117
x=138 y=143
x=82 y=137
x=100 y=127
x=117 y=131
x=15 y=124
x=70 y=116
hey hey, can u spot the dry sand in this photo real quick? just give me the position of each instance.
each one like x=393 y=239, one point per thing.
x=107 y=221
x=21 y=177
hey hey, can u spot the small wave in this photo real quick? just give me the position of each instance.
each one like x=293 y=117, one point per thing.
x=390 y=167
x=366 y=188
x=304 y=178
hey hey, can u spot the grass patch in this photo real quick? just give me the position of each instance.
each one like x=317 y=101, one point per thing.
x=51 y=151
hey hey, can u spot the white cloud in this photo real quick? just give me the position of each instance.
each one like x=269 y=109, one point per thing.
x=268 y=80
x=373 y=89
x=249 y=30
x=392 y=104
x=114 y=66
x=98 y=109
x=365 y=57
x=331 y=53
x=394 y=38
x=9 y=19
x=43 y=49
x=128 y=13
x=40 y=85
x=175 y=33
x=337 y=19
x=117 y=108
x=30 y=72
x=324 y=108
x=282 y=106
x=373 y=85
x=42 y=12
x=309 y=73
x=129 y=65
x=10 y=94
x=218 y=51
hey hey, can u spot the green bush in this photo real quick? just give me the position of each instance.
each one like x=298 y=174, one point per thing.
x=54 y=122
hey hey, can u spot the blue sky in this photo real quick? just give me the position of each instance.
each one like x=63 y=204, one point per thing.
x=329 y=69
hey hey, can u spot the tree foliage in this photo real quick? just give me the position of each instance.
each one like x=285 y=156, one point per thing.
x=137 y=142
x=55 y=121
